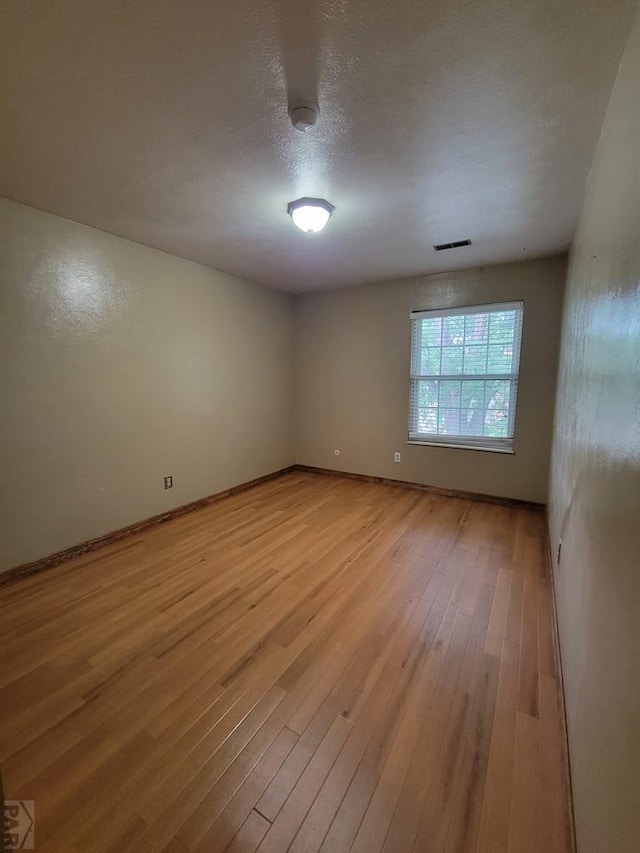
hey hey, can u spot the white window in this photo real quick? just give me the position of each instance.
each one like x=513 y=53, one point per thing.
x=464 y=376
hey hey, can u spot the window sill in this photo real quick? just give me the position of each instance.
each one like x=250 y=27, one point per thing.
x=509 y=451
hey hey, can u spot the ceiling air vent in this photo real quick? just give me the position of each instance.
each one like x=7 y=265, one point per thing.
x=440 y=247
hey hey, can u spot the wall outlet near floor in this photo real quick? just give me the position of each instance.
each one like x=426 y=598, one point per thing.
x=396 y=457
x=168 y=482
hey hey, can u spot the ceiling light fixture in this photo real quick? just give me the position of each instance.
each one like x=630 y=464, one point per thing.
x=310 y=214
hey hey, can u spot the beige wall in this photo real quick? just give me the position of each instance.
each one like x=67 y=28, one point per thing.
x=595 y=488
x=120 y=364
x=352 y=379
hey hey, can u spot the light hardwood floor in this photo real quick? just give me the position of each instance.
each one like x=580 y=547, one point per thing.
x=313 y=664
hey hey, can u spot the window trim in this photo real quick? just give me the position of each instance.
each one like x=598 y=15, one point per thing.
x=465 y=442
x=508 y=451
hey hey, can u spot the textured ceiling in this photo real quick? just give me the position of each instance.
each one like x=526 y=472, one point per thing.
x=166 y=122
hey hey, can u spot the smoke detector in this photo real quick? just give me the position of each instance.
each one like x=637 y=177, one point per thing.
x=303 y=118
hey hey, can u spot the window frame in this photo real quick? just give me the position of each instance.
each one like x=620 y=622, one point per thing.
x=457 y=441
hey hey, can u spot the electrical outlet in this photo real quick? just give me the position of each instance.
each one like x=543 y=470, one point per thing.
x=396 y=457
x=168 y=482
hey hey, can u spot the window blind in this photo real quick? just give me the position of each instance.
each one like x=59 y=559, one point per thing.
x=464 y=375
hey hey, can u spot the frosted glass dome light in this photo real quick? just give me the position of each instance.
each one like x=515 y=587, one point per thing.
x=310 y=214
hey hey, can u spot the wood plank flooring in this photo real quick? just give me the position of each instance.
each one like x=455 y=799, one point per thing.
x=316 y=664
